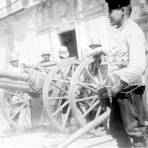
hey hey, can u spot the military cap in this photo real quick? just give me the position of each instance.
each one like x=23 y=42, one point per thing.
x=116 y=4
x=63 y=52
x=46 y=52
x=95 y=42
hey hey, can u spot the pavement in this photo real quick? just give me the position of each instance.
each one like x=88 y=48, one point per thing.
x=49 y=138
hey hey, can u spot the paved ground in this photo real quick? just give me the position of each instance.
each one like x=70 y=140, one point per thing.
x=43 y=138
x=47 y=137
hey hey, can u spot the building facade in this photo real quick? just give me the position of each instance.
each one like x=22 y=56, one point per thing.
x=30 y=26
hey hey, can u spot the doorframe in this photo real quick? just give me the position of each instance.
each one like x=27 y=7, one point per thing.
x=73 y=30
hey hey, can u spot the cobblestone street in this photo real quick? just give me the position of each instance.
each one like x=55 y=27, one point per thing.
x=40 y=138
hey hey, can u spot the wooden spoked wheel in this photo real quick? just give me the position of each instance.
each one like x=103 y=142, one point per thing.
x=83 y=96
x=55 y=94
x=15 y=107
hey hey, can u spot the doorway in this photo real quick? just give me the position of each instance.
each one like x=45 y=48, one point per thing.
x=68 y=39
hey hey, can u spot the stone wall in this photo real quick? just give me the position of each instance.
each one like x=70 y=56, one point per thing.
x=37 y=26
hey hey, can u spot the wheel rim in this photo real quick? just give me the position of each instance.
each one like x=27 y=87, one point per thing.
x=55 y=94
x=83 y=90
x=15 y=107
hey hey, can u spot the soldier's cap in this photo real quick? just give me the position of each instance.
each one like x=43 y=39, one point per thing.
x=63 y=52
x=45 y=51
x=95 y=43
x=46 y=54
x=95 y=52
x=117 y=4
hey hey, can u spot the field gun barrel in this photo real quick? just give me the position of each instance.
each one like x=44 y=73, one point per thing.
x=14 y=76
x=32 y=81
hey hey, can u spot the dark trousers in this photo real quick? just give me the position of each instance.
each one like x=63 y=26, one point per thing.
x=126 y=120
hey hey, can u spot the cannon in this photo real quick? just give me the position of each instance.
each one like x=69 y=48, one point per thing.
x=67 y=91
x=21 y=88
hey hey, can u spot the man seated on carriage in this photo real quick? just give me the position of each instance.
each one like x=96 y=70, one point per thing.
x=126 y=66
x=128 y=61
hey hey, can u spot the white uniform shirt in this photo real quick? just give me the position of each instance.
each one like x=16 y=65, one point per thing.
x=127 y=58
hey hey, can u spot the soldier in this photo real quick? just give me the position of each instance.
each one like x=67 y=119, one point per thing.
x=24 y=116
x=99 y=56
x=63 y=54
x=96 y=51
x=14 y=64
x=127 y=62
x=46 y=56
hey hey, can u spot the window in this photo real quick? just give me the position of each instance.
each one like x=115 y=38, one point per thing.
x=15 y=5
x=3 y=10
x=2 y=3
x=9 y=6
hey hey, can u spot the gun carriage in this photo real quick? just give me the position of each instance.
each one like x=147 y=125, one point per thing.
x=68 y=91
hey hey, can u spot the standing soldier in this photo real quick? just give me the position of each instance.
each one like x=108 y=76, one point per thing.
x=127 y=63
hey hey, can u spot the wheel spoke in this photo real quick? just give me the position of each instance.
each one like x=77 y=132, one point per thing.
x=87 y=86
x=60 y=88
x=98 y=111
x=57 y=105
x=17 y=111
x=60 y=108
x=66 y=117
x=87 y=98
x=90 y=75
x=27 y=119
x=18 y=102
x=17 y=95
x=100 y=77
x=96 y=103
x=81 y=109
x=57 y=98
x=65 y=71
x=63 y=77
